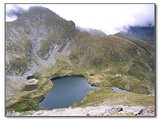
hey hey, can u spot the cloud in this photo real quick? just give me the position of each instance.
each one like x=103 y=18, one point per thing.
x=109 y=18
x=13 y=12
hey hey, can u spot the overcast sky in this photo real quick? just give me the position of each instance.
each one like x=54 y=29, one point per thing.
x=106 y=17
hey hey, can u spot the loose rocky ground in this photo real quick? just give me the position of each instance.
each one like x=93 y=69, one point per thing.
x=100 y=110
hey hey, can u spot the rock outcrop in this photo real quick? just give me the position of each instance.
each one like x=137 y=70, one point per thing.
x=92 y=111
x=31 y=85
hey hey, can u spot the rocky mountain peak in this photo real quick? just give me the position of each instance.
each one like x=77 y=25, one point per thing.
x=35 y=38
x=38 y=13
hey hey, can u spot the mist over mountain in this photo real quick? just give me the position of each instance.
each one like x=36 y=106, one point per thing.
x=143 y=33
x=91 y=31
x=42 y=45
x=108 y=22
x=13 y=13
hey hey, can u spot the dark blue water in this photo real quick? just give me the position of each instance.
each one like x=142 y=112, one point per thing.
x=65 y=92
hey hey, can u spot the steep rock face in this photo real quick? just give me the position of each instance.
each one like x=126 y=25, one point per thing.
x=32 y=43
x=36 y=36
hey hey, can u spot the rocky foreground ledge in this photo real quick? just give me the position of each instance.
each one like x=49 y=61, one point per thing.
x=92 y=111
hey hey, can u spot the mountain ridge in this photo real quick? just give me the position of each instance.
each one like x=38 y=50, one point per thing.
x=43 y=45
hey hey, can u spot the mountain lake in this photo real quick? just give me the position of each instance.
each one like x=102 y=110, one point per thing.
x=65 y=92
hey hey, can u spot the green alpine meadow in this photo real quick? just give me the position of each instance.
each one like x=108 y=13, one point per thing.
x=41 y=46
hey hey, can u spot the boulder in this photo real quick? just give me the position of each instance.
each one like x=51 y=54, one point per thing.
x=119 y=109
x=118 y=75
x=31 y=85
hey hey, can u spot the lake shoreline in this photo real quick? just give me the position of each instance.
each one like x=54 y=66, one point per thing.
x=67 y=90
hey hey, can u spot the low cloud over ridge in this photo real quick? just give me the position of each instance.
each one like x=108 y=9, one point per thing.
x=109 y=18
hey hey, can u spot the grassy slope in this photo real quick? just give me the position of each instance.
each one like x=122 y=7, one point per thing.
x=108 y=97
x=28 y=100
x=120 y=56
x=86 y=59
x=91 y=56
x=103 y=93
